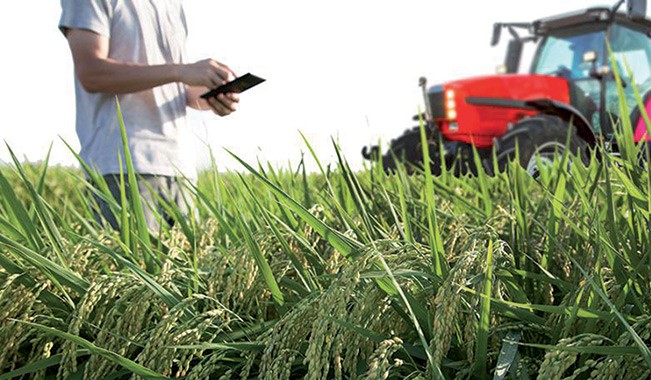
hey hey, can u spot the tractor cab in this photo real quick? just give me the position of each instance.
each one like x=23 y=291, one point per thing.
x=575 y=47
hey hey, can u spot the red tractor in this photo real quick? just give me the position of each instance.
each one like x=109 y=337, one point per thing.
x=570 y=91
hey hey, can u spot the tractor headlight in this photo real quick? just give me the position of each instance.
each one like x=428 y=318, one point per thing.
x=450 y=105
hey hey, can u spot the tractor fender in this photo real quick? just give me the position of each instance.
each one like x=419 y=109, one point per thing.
x=567 y=113
x=637 y=121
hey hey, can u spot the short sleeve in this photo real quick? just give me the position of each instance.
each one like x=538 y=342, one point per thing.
x=93 y=15
x=184 y=54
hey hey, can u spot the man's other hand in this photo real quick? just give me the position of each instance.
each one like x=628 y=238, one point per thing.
x=224 y=104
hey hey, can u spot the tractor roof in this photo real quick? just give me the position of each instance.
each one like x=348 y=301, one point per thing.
x=586 y=17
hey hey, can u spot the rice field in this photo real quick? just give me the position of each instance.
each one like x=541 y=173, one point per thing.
x=338 y=274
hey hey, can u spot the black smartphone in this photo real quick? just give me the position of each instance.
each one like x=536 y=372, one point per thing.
x=240 y=84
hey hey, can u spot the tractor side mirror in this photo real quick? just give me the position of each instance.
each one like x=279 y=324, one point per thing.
x=636 y=9
x=602 y=72
x=590 y=57
x=513 y=56
x=497 y=32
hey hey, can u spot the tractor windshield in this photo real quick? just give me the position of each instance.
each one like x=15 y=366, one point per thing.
x=561 y=54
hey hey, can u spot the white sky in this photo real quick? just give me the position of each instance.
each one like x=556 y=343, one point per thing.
x=346 y=69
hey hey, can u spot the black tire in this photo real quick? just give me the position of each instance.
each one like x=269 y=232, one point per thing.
x=543 y=136
x=407 y=149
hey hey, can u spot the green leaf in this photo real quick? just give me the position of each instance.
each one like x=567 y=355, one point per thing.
x=170 y=298
x=237 y=346
x=135 y=199
x=261 y=261
x=39 y=365
x=18 y=213
x=54 y=271
x=594 y=350
x=111 y=356
x=507 y=354
x=41 y=180
x=481 y=348
x=46 y=217
x=341 y=243
x=436 y=242
x=302 y=272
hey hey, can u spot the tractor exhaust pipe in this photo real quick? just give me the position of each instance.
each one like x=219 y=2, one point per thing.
x=422 y=82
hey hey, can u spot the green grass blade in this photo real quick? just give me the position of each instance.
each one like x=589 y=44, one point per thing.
x=507 y=355
x=436 y=370
x=436 y=242
x=303 y=274
x=135 y=199
x=236 y=346
x=18 y=213
x=590 y=350
x=39 y=365
x=125 y=225
x=481 y=348
x=170 y=298
x=46 y=217
x=55 y=272
x=53 y=301
x=358 y=197
x=343 y=244
x=261 y=261
x=642 y=347
x=45 y=165
x=338 y=205
x=111 y=356
x=482 y=178
x=406 y=218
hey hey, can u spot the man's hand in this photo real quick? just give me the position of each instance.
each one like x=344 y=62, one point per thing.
x=204 y=75
x=224 y=104
x=207 y=73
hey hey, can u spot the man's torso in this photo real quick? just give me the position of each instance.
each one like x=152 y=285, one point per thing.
x=149 y=32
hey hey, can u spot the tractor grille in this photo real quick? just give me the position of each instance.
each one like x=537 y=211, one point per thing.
x=436 y=101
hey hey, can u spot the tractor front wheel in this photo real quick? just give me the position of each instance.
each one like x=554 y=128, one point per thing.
x=538 y=140
x=408 y=150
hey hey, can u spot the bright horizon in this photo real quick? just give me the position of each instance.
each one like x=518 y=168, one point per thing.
x=343 y=70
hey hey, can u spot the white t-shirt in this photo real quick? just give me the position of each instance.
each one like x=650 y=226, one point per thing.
x=148 y=32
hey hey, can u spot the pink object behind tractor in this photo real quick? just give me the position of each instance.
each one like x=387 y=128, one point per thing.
x=641 y=132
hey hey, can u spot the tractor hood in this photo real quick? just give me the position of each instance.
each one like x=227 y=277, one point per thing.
x=504 y=90
x=475 y=110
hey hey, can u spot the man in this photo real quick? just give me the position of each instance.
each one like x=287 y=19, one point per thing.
x=135 y=49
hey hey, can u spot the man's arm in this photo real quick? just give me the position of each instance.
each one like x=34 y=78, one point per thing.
x=98 y=73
